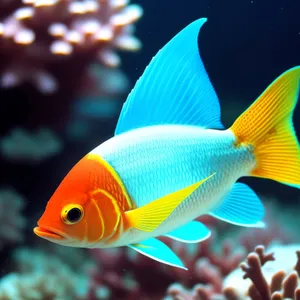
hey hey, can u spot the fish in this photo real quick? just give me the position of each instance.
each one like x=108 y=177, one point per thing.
x=171 y=160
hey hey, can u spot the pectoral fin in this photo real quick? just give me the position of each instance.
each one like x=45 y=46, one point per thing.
x=192 y=232
x=157 y=250
x=149 y=217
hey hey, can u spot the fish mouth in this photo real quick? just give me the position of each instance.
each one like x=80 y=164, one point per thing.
x=49 y=234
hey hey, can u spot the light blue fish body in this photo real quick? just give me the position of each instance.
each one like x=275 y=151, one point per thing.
x=158 y=160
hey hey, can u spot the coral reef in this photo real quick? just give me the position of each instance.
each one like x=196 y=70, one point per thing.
x=68 y=52
x=11 y=218
x=37 y=287
x=48 y=37
x=124 y=274
x=207 y=264
x=20 y=145
x=199 y=292
x=272 y=276
x=44 y=276
x=268 y=276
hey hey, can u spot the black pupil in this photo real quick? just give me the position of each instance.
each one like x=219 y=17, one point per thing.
x=74 y=214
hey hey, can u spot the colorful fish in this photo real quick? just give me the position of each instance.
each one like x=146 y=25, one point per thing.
x=171 y=160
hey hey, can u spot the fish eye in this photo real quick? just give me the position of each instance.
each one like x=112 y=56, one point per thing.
x=72 y=214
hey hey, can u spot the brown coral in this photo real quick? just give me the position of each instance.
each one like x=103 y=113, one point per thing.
x=282 y=285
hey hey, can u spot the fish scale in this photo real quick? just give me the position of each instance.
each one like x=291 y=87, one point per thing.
x=155 y=149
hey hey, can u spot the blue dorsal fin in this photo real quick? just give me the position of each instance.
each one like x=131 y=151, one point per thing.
x=192 y=232
x=241 y=207
x=157 y=250
x=174 y=88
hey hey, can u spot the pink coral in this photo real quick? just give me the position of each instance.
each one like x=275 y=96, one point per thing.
x=198 y=292
x=262 y=276
x=46 y=37
x=208 y=264
x=120 y=266
x=271 y=283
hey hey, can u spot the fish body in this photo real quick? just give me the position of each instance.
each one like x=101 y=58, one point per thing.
x=154 y=150
x=171 y=160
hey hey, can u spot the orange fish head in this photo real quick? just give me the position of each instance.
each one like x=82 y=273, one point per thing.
x=64 y=222
x=72 y=216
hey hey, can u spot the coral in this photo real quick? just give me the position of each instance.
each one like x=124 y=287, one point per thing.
x=43 y=276
x=198 y=292
x=252 y=269
x=121 y=273
x=67 y=50
x=12 y=221
x=37 y=287
x=56 y=272
x=272 y=276
x=205 y=263
x=208 y=264
x=23 y=146
x=47 y=37
x=208 y=269
x=109 y=276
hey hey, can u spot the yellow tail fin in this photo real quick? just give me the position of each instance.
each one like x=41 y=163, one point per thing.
x=267 y=125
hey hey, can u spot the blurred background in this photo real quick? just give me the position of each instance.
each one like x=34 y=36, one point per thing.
x=66 y=67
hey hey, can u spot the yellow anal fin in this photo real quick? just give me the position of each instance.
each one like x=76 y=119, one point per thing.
x=267 y=126
x=149 y=217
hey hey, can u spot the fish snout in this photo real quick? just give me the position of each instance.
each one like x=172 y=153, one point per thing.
x=53 y=235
